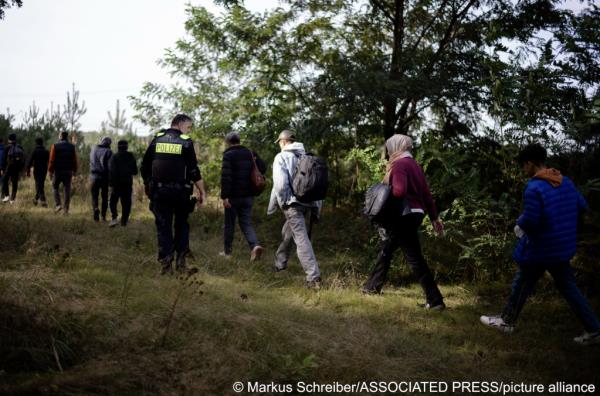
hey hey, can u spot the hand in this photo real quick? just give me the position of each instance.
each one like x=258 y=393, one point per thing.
x=226 y=203
x=438 y=226
x=315 y=215
x=519 y=233
x=147 y=190
x=200 y=198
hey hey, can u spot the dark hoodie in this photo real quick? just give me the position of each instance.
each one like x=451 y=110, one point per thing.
x=39 y=161
x=99 y=158
x=122 y=167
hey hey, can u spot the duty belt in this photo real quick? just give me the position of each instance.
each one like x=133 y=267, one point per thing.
x=177 y=185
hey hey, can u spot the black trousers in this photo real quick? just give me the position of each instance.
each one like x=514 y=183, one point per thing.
x=40 y=181
x=100 y=188
x=11 y=176
x=121 y=192
x=171 y=211
x=404 y=234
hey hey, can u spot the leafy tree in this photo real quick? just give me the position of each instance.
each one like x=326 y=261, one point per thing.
x=4 y=4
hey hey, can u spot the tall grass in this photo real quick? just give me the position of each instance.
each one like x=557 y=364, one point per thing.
x=84 y=311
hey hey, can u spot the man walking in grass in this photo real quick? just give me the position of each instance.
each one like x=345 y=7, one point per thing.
x=39 y=162
x=122 y=168
x=170 y=171
x=62 y=167
x=294 y=230
x=12 y=164
x=99 y=158
x=237 y=194
x=547 y=231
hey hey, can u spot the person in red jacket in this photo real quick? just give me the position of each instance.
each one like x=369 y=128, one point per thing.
x=410 y=201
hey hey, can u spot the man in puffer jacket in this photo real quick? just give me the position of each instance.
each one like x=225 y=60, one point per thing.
x=237 y=195
x=294 y=230
x=547 y=232
x=99 y=157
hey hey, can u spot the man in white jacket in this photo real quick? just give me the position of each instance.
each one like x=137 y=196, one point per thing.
x=294 y=230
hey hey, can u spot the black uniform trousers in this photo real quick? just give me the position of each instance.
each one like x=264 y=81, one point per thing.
x=171 y=210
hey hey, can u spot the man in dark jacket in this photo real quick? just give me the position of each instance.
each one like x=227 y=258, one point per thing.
x=547 y=232
x=39 y=161
x=1 y=160
x=62 y=166
x=122 y=167
x=237 y=194
x=12 y=164
x=99 y=157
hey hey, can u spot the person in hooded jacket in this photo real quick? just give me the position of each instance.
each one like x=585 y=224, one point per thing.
x=294 y=230
x=99 y=157
x=547 y=233
x=122 y=167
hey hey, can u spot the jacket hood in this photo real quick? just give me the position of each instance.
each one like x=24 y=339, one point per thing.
x=106 y=141
x=551 y=175
x=295 y=147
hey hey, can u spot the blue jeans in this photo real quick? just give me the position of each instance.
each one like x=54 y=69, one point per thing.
x=241 y=208
x=562 y=273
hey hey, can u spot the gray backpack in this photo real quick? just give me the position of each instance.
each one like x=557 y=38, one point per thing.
x=311 y=179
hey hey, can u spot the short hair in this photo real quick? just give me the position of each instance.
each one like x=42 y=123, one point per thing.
x=232 y=138
x=39 y=141
x=12 y=137
x=179 y=118
x=533 y=152
x=1 y=140
x=64 y=135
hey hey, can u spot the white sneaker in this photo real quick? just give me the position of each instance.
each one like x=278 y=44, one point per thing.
x=498 y=323
x=588 y=338
x=113 y=223
x=11 y=202
x=256 y=253
x=225 y=255
x=6 y=199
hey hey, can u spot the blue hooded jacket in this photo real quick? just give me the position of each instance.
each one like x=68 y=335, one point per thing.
x=551 y=207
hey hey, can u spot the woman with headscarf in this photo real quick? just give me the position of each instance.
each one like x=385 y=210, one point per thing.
x=410 y=200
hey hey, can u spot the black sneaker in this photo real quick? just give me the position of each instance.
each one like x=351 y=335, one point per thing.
x=96 y=215
x=167 y=267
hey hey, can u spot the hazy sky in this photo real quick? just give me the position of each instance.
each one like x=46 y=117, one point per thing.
x=107 y=48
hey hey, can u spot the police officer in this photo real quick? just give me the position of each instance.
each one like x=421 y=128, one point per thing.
x=170 y=170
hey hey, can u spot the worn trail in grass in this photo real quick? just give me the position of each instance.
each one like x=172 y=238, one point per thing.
x=84 y=311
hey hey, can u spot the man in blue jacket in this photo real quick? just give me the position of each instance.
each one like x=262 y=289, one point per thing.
x=547 y=232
